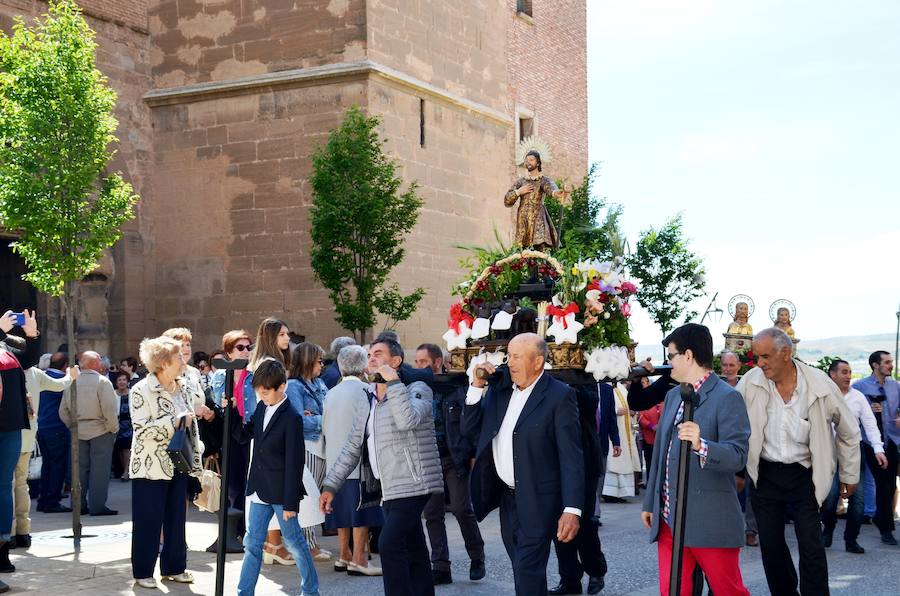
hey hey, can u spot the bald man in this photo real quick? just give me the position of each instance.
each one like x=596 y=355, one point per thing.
x=529 y=460
x=98 y=423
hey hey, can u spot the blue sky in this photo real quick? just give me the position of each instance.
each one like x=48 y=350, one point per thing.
x=773 y=126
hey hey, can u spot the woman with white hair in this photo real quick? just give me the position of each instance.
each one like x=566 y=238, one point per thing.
x=160 y=404
x=346 y=402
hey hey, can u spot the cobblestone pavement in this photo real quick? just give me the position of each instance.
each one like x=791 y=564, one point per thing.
x=51 y=567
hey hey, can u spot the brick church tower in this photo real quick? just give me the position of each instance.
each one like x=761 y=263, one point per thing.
x=222 y=102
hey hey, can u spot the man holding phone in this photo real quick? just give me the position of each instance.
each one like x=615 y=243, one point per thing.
x=883 y=393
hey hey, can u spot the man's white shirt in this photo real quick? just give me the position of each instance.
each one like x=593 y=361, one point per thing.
x=502 y=444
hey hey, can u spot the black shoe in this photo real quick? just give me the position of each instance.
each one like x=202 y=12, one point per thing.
x=595 y=584
x=57 y=509
x=888 y=538
x=476 y=571
x=5 y=565
x=855 y=548
x=565 y=588
x=23 y=540
x=105 y=511
x=827 y=538
x=441 y=577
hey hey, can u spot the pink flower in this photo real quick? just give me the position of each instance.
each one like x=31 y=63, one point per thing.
x=626 y=309
x=629 y=288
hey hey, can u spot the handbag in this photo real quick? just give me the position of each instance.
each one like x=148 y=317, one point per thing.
x=180 y=449
x=210 y=486
x=35 y=463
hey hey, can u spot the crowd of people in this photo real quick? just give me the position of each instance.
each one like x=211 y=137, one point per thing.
x=358 y=442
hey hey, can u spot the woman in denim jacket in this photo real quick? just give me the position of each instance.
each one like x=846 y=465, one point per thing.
x=306 y=392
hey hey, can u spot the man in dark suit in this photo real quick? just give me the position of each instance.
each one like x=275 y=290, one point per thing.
x=584 y=554
x=529 y=461
x=718 y=436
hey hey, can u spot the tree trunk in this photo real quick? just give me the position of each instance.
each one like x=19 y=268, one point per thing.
x=69 y=304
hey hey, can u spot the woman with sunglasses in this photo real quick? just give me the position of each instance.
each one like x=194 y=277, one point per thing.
x=306 y=391
x=237 y=346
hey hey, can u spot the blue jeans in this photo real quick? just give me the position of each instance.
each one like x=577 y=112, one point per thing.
x=55 y=448
x=867 y=481
x=257 y=527
x=854 y=510
x=10 y=448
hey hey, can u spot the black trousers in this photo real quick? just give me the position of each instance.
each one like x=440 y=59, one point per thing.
x=885 y=484
x=529 y=555
x=158 y=505
x=457 y=500
x=780 y=486
x=584 y=554
x=404 y=554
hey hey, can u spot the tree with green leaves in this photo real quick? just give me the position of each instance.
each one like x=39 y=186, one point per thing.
x=582 y=233
x=671 y=275
x=57 y=131
x=360 y=218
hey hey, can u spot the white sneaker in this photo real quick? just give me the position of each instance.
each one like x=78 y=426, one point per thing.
x=147 y=582
x=184 y=577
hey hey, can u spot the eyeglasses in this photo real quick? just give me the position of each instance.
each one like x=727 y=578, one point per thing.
x=242 y=347
x=671 y=355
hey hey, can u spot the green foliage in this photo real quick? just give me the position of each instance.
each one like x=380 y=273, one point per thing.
x=824 y=362
x=671 y=275
x=359 y=220
x=57 y=128
x=582 y=236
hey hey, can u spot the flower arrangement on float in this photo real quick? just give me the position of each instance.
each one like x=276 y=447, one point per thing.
x=586 y=316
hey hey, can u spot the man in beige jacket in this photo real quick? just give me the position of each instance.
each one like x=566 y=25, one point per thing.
x=98 y=423
x=793 y=408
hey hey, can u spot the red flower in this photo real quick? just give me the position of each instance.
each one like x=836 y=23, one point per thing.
x=604 y=298
x=496 y=270
x=628 y=288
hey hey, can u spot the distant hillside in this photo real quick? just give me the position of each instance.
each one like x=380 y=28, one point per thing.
x=854 y=348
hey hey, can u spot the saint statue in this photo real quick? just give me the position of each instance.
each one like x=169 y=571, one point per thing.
x=785 y=310
x=533 y=226
x=740 y=326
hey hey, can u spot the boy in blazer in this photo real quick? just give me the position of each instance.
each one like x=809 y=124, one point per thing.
x=718 y=436
x=275 y=483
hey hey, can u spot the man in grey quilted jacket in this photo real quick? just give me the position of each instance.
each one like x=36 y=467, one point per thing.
x=395 y=439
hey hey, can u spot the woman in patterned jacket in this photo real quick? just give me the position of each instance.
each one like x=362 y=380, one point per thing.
x=160 y=403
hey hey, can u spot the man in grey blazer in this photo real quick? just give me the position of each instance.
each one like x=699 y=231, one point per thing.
x=719 y=435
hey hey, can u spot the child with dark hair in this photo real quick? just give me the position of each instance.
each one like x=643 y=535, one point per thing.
x=275 y=483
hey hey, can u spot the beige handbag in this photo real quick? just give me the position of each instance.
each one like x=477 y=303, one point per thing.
x=210 y=486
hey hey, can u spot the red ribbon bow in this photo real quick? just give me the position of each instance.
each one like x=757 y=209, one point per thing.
x=556 y=311
x=458 y=316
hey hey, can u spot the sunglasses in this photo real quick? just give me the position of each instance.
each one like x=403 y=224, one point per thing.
x=671 y=355
x=242 y=347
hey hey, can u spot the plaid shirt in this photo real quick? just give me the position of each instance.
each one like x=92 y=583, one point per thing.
x=702 y=452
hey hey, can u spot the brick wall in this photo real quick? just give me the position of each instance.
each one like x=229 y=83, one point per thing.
x=235 y=170
x=548 y=76
x=457 y=46
x=218 y=40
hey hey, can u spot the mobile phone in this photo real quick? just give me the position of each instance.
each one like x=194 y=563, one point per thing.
x=20 y=318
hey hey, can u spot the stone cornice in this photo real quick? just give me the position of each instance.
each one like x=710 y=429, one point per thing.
x=330 y=72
